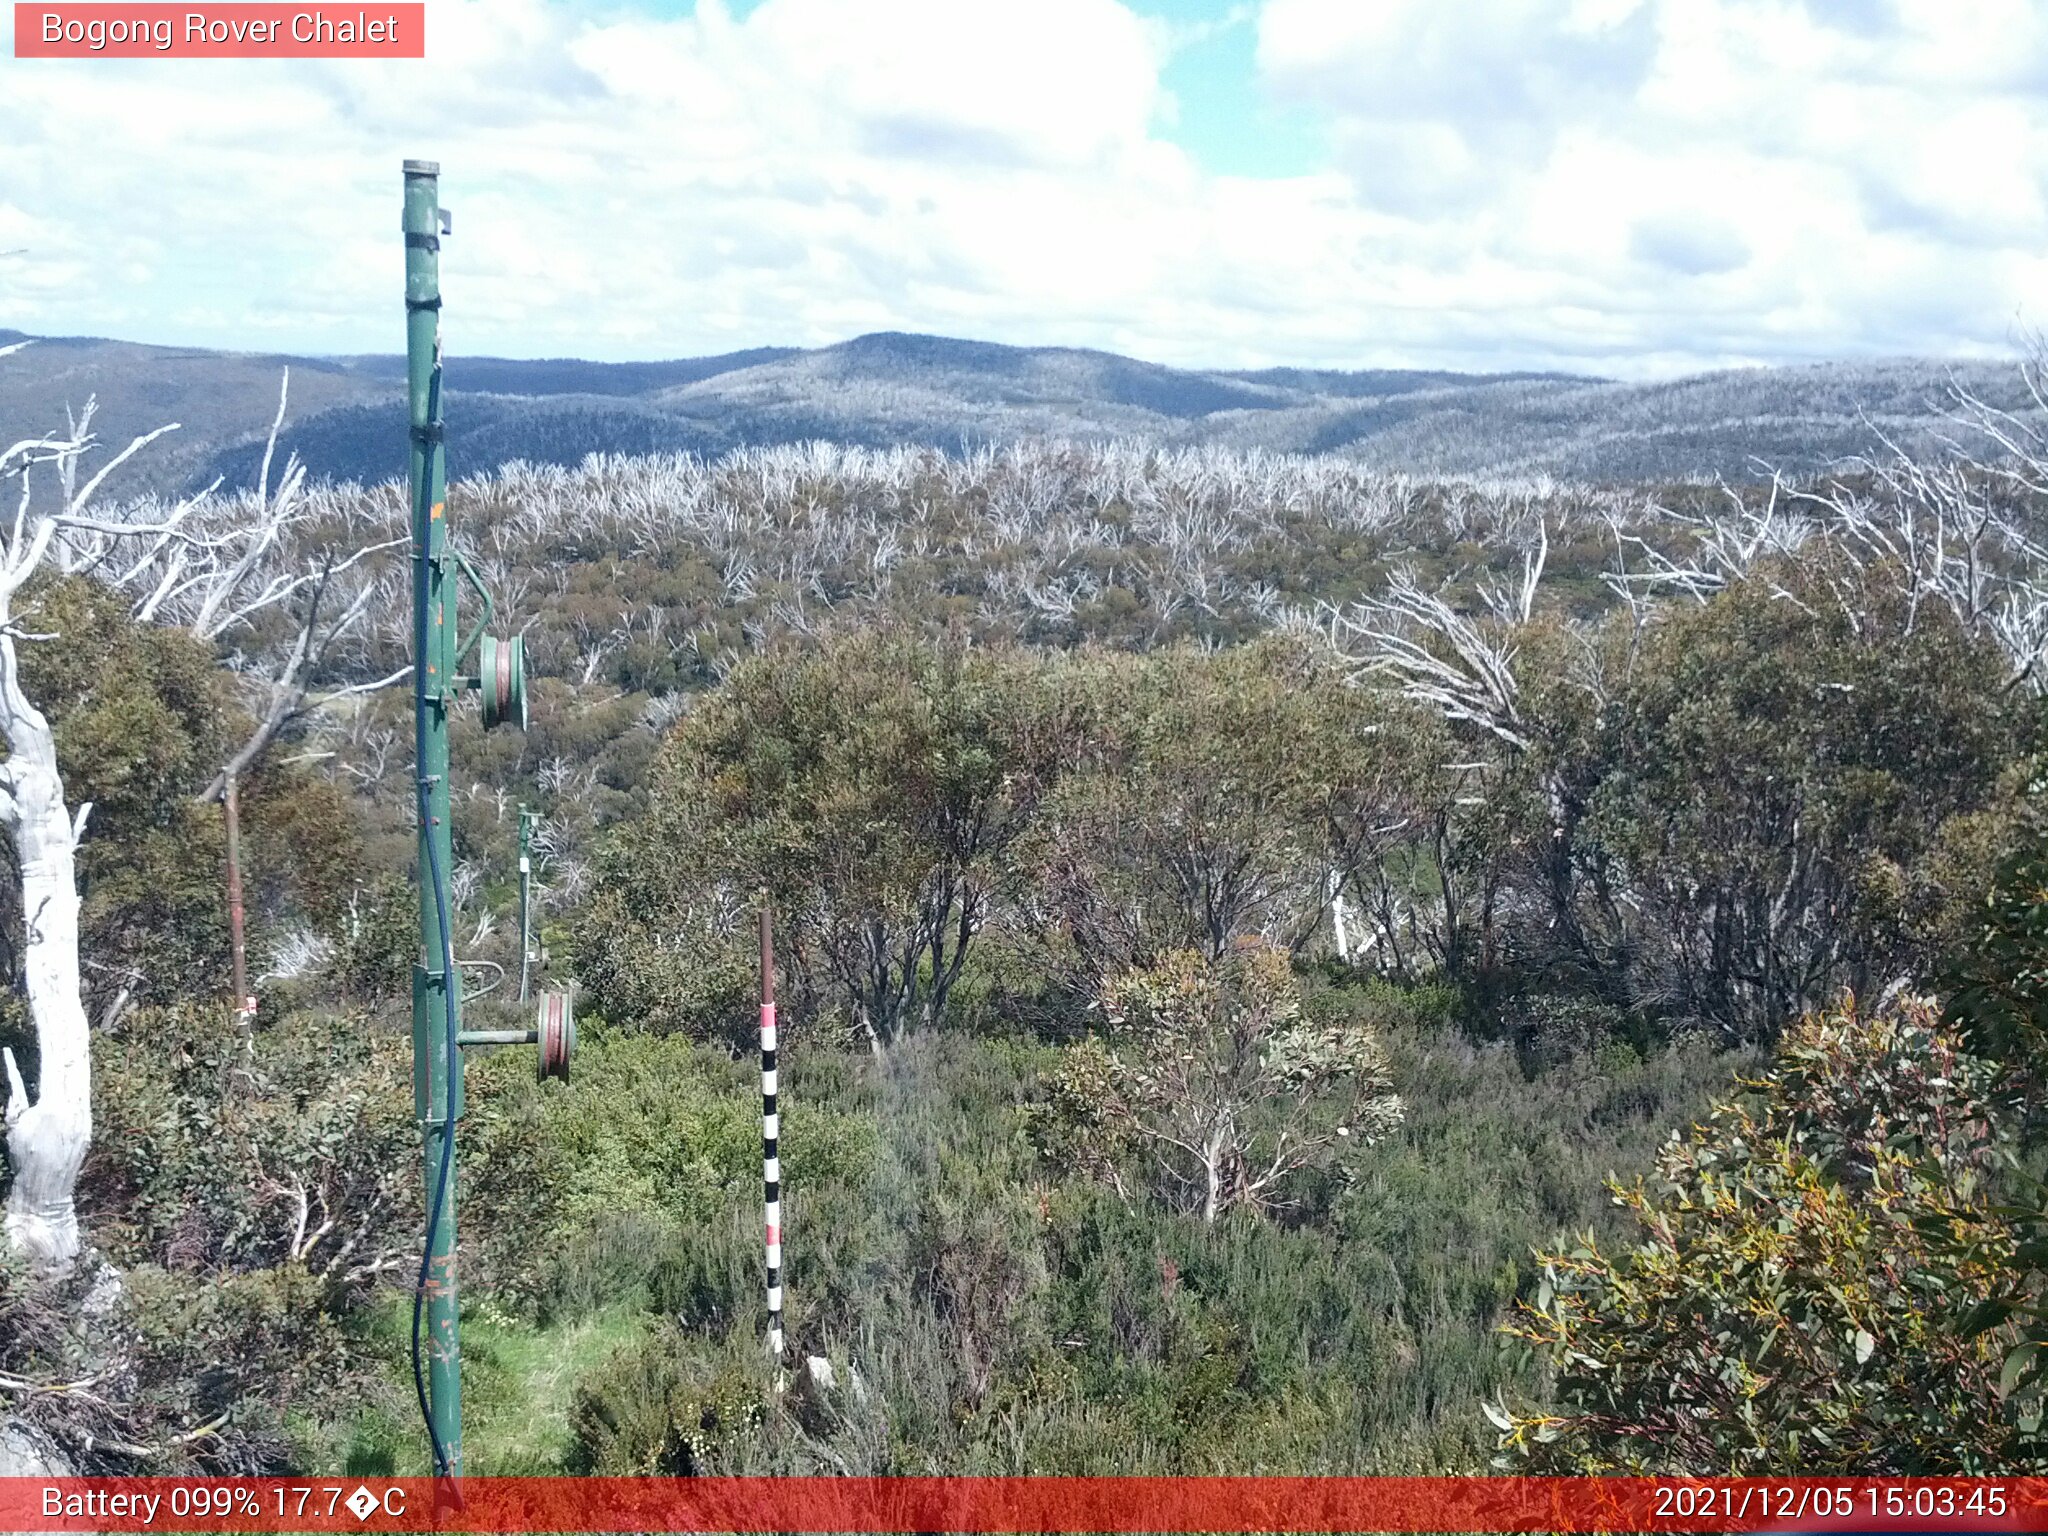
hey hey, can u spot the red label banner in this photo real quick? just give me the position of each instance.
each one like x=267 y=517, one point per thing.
x=1052 y=1504
x=233 y=31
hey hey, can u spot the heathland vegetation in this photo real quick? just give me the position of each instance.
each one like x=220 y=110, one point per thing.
x=1283 y=968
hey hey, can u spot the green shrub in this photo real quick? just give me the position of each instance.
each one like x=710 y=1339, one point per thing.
x=1213 y=1074
x=581 y=1189
x=1804 y=1290
x=377 y=942
x=296 y=1148
x=653 y=1411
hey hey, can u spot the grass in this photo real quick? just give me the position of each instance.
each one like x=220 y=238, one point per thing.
x=519 y=1382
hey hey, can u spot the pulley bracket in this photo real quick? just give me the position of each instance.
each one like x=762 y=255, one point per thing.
x=554 y=1032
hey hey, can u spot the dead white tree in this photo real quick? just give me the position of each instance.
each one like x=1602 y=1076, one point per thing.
x=206 y=566
x=218 y=570
x=47 y=1133
x=1950 y=529
x=1460 y=665
x=1465 y=667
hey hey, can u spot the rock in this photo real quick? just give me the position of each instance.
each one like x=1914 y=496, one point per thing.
x=104 y=1295
x=25 y=1453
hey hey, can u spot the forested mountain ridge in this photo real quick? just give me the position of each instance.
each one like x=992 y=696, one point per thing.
x=894 y=389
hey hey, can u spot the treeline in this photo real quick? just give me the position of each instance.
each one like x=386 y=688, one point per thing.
x=1716 y=821
x=886 y=392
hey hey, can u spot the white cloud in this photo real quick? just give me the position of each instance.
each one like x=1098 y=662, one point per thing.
x=1719 y=180
x=1625 y=186
x=1468 y=93
x=1687 y=242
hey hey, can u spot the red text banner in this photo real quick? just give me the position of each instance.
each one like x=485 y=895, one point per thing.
x=1051 y=1504
x=221 y=31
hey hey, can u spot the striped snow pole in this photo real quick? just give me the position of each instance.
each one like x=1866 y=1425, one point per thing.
x=771 y=1128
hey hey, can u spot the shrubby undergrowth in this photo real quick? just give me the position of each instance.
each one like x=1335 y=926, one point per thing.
x=1134 y=822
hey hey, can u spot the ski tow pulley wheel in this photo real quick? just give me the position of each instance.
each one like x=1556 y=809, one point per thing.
x=501 y=678
x=557 y=1027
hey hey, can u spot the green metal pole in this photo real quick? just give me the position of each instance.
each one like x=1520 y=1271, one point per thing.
x=437 y=1070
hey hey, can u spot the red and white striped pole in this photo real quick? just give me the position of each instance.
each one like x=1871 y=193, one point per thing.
x=771 y=1128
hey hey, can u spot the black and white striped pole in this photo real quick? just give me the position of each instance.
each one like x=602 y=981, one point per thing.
x=771 y=1130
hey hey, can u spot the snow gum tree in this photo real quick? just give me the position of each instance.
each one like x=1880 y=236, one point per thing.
x=49 y=1129
x=1212 y=1078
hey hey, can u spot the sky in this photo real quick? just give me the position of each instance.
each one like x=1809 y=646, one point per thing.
x=1632 y=188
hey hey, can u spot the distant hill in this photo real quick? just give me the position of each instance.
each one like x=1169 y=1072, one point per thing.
x=347 y=413
x=216 y=397
x=569 y=375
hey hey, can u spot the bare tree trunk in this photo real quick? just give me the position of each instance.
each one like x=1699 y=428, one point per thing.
x=46 y=1138
x=1212 y=1169
x=245 y=1005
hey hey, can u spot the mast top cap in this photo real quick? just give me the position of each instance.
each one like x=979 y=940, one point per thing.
x=422 y=167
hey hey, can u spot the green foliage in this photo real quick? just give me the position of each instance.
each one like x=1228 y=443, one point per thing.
x=521 y=1384
x=1342 y=1338
x=302 y=849
x=645 y=1413
x=867 y=788
x=144 y=717
x=1804 y=1292
x=253 y=1195
x=990 y=1310
x=215 y=1157
x=1553 y=1028
x=376 y=942
x=897 y=798
x=241 y=1355
x=1719 y=816
x=1997 y=977
x=589 y=1192
x=1769 y=783
x=1214 y=1076
x=1196 y=810
x=141 y=716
